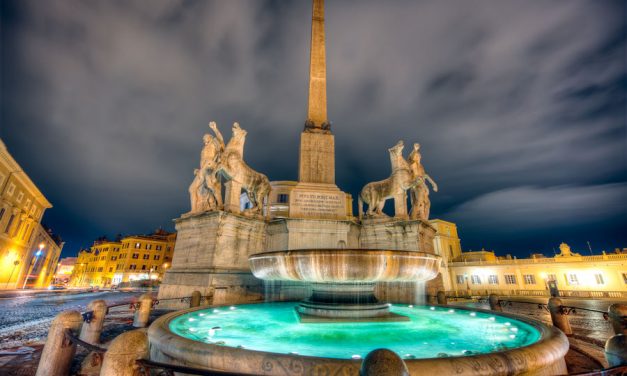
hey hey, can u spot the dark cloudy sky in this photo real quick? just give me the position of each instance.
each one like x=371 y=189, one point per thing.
x=519 y=107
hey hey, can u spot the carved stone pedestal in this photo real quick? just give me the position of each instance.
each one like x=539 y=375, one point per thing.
x=211 y=256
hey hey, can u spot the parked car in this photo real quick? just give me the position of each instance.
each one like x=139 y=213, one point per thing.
x=57 y=287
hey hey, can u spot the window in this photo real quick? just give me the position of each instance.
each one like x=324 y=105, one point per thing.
x=551 y=277
x=625 y=278
x=283 y=198
x=113 y=258
x=572 y=279
x=143 y=267
x=146 y=257
x=450 y=251
x=148 y=246
x=20 y=196
x=100 y=269
x=460 y=279
x=156 y=257
x=11 y=189
x=137 y=245
x=110 y=269
x=530 y=279
x=27 y=204
x=8 y=228
x=118 y=267
x=2 y=213
x=475 y=279
x=493 y=279
x=135 y=255
x=599 y=278
x=132 y=267
x=510 y=279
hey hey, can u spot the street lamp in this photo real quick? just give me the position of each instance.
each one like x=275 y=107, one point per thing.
x=15 y=264
x=32 y=266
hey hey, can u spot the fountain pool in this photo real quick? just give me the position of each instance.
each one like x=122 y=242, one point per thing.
x=269 y=339
x=431 y=332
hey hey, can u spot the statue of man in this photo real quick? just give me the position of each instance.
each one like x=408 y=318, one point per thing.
x=419 y=194
x=206 y=190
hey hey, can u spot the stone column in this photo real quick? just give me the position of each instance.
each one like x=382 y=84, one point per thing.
x=383 y=362
x=142 y=313
x=559 y=319
x=119 y=360
x=195 y=300
x=617 y=314
x=90 y=332
x=616 y=350
x=495 y=304
x=233 y=191
x=442 y=298
x=58 y=352
x=400 y=206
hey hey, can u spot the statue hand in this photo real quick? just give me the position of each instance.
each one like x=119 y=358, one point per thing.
x=213 y=125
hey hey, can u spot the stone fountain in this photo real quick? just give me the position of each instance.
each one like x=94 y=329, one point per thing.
x=244 y=229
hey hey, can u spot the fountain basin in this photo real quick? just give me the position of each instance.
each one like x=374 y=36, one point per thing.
x=343 y=280
x=263 y=339
x=345 y=266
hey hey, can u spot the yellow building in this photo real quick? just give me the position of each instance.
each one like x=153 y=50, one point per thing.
x=65 y=267
x=22 y=206
x=447 y=244
x=482 y=273
x=132 y=258
x=44 y=256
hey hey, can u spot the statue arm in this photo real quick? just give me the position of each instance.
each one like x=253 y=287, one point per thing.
x=433 y=184
x=216 y=131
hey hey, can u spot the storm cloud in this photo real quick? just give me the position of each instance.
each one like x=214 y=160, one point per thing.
x=519 y=106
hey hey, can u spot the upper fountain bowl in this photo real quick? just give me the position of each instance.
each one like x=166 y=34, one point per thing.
x=345 y=266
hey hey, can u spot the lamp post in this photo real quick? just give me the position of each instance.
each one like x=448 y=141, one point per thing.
x=32 y=266
x=15 y=264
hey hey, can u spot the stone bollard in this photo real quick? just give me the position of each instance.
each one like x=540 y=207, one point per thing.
x=125 y=349
x=559 y=319
x=383 y=362
x=442 y=298
x=495 y=304
x=90 y=332
x=142 y=313
x=617 y=314
x=616 y=350
x=195 y=300
x=58 y=352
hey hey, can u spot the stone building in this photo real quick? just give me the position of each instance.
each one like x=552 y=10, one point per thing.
x=44 y=255
x=65 y=266
x=124 y=260
x=571 y=274
x=22 y=205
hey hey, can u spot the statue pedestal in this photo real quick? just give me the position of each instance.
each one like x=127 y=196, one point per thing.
x=318 y=201
x=211 y=256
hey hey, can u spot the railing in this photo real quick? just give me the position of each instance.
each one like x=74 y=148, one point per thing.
x=540 y=293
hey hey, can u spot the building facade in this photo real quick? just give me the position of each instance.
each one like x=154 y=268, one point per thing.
x=22 y=206
x=65 y=267
x=132 y=258
x=566 y=274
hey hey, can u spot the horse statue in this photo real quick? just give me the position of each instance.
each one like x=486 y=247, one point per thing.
x=376 y=193
x=233 y=168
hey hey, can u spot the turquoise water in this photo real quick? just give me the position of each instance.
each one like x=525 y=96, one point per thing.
x=431 y=332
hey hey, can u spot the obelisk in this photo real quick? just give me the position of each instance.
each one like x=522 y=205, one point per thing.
x=317 y=144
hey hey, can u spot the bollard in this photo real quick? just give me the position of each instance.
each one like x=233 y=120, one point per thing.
x=495 y=304
x=90 y=332
x=125 y=349
x=616 y=350
x=383 y=362
x=558 y=317
x=442 y=298
x=142 y=313
x=58 y=351
x=195 y=300
x=617 y=314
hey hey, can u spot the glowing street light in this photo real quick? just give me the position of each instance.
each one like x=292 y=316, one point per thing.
x=32 y=266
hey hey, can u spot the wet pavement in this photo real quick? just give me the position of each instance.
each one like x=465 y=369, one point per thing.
x=25 y=317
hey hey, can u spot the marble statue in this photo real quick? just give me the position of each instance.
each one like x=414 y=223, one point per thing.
x=419 y=194
x=376 y=193
x=206 y=189
x=240 y=176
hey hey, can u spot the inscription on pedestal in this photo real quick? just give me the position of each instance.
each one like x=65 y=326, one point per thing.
x=309 y=204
